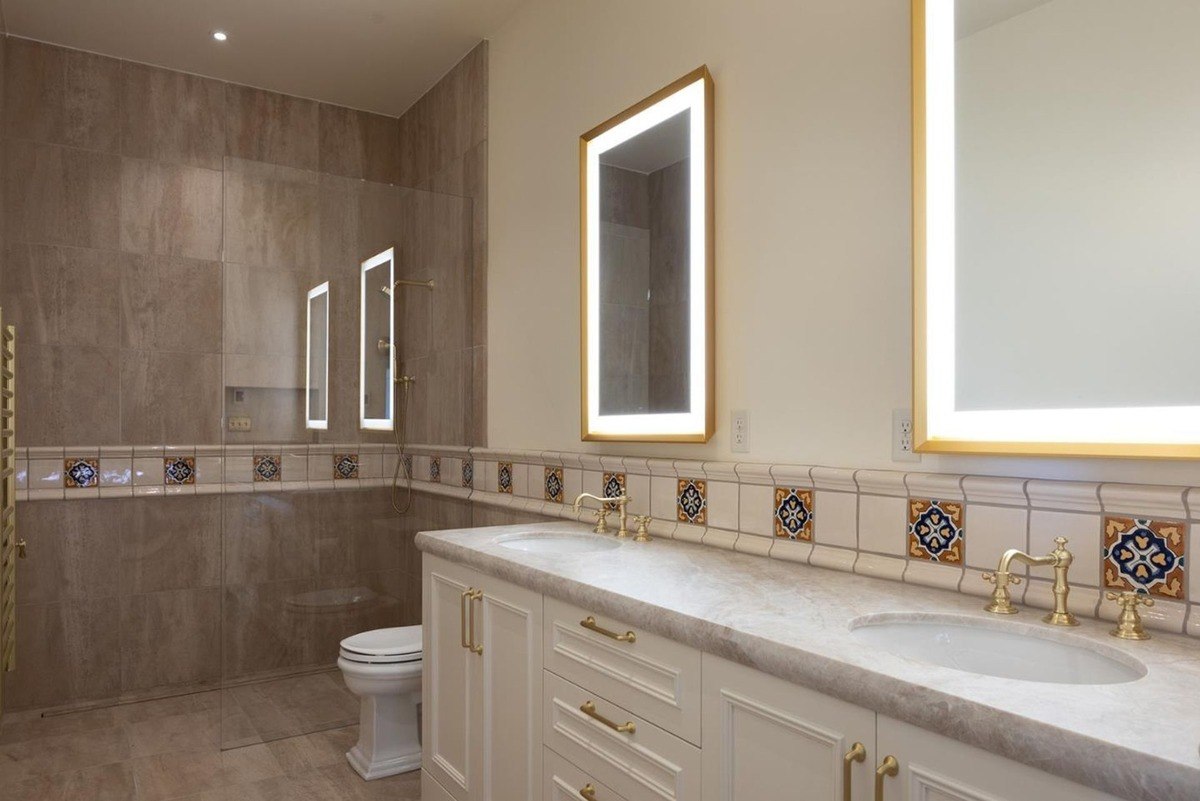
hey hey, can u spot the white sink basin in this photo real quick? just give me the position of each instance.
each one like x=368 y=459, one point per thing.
x=1003 y=649
x=557 y=542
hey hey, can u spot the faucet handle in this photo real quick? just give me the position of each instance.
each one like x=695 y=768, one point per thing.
x=992 y=578
x=643 y=528
x=602 y=520
x=1129 y=622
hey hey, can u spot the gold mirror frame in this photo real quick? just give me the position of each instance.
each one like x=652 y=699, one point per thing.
x=1134 y=432
x=701 y=422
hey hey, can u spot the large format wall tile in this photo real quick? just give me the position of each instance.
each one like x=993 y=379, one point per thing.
x=270 y=537
x=74 y=391
x=170 y=209
x=271 y=216
x=60 y=195
x=73 y=550
x=170 y=638
x=60 y=96
x=358 y=144
x=61 y=295
x=170 y=397
x=169 y=545
x=68 y=652
x=172 y=116
x=170 y=303
x=263 y=630
x=449 y=120
x=267 y=126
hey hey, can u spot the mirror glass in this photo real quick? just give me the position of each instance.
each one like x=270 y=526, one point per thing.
x=316 y=398
x=647 y=268
x=376 y=357
x=1061 y=156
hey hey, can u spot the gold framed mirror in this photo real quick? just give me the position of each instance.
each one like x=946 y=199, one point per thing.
x=1055 y=151
x=646 y=278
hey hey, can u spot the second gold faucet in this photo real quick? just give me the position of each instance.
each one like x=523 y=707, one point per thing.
x=1060 y=559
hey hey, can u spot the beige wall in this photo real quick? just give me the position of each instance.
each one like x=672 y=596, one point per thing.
x=813 y=216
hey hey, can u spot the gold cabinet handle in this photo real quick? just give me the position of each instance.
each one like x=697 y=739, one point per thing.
x=590 y=624
x=462 y=616
x=588 y=792
x=476 y=595
x=857 y=753
x=888 y=767
x=589 y=708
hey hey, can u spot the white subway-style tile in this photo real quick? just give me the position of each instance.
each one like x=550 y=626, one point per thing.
x=883 y=524
x=756 y=513
x=1083 y=533
x=992 y=530
x=722 y=504
x=835 y=518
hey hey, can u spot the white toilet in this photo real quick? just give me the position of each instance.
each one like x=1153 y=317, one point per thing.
x=383 y=668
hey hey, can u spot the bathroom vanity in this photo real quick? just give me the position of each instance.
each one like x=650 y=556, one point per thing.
x=562 y=664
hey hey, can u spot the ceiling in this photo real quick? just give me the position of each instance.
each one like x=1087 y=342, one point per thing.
x=375 y=55
x=972 y=16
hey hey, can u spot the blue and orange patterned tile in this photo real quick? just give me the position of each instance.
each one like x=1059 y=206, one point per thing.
x=345 y=466
x=691 y=501
x=613 y=486
x=794 y=513
x=179 y=470
x=468 y=473
x=268 y=468
x=936 y=531
x=1147 y=556
x=504 y=477
x=435 y=469
x=81 y=473
x=554 y=484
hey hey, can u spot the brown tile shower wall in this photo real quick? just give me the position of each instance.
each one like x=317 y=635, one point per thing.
x=158 y=232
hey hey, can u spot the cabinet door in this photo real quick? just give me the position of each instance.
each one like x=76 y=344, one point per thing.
x=936 y=768
x=510 y=632
x=450 y=686
x=769 y=740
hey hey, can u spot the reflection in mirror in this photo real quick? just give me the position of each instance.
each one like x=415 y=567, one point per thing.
x=643 y=271
x=1058 y=147
x=647 y=268
x=376 y=351
x=316 y=398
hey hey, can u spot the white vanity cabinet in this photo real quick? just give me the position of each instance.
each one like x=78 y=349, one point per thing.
x=481 y=687
x=529 y=698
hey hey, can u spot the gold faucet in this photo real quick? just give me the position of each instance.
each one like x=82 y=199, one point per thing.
x=605 y=507
x=1060 y=559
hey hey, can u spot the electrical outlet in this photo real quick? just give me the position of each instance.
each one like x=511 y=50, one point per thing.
x=902 y=437
x=740 y=423
x=239 y=423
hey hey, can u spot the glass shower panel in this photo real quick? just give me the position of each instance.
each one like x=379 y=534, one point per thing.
x=312 y=553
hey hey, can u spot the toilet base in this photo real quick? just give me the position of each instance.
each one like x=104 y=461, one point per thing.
x=386 y=767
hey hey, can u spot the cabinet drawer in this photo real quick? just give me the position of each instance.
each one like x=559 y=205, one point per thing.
x=657 y=678
x=565 y=782
x=648 y=763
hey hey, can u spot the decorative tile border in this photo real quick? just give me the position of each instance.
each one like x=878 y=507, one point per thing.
x=267 y=468
x=878 y=523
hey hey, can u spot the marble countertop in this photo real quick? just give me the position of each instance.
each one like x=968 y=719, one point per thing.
x=1137 y=740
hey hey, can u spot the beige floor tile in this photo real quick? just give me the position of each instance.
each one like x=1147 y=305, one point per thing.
x=102 y=783
x=47 y=756
x=178 y=773
x=186 y=732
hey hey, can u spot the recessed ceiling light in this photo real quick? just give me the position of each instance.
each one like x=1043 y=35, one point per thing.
x=220 y=36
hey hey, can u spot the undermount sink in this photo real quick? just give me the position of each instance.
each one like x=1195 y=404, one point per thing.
x=1000 y=648
x=557 y=542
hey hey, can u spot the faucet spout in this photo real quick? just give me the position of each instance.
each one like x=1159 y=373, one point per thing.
x=606 y=505
x=1060 y=559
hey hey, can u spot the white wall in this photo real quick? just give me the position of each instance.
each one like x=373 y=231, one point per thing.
x=813 y=213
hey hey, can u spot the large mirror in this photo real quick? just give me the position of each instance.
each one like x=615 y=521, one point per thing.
x=376 y=349
x=1056 y=244
x=316 y=382
x=647 y=268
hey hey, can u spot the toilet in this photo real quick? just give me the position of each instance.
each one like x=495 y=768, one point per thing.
x=383 y=668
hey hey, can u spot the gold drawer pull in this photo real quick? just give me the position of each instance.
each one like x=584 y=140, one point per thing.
x=476 y=595
x=888 y=767
x=588 y=708
x=590 y=624
x=462 y=615
x=857 y=753
x=588 y=792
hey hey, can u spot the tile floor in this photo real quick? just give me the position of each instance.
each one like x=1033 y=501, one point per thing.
x=170 y=749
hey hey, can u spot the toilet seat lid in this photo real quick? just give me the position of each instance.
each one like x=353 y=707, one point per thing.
x=397 y=641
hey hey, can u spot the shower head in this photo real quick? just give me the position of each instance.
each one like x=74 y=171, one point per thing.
x=387 y=290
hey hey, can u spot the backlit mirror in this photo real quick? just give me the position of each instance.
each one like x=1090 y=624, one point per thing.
x=647 y=268
x=316 y=383
x=376 y=357
x=1056 y=198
